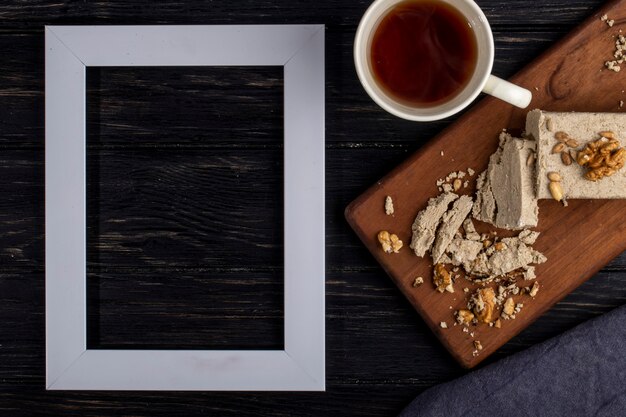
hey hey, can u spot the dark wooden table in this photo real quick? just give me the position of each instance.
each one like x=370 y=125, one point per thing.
x=184 y=202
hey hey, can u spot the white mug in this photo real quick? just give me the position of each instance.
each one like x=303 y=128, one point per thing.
x=481 y=80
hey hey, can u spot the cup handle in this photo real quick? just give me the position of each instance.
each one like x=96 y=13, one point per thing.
x=509 y=92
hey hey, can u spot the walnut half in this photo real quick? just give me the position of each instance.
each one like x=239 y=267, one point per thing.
x=603 y=157
x=389 y=242
x=442 y=279
x=483 y=304
x=464 y=316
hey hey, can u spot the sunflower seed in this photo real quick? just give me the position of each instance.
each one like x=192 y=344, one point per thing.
x=566 y=158
x=561 y=136
x=558 y=147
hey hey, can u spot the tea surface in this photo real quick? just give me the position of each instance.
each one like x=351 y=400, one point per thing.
x=423 y=53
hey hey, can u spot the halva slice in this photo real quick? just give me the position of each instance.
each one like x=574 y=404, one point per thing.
x=583 y=128
x=450 y=223
x=505 y=194
x=427 y=220
x=485 y=206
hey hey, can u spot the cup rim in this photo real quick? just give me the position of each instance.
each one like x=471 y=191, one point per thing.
x=361 y=66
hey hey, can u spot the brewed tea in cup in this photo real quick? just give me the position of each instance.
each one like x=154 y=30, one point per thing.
x=427 y=59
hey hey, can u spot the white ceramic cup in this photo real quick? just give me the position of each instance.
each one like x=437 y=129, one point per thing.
x=481 y=80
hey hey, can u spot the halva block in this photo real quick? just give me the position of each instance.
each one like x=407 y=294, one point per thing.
x=505 y=195
x=582 y=128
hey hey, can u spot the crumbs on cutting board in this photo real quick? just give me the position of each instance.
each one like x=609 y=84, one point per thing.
x=454 y=181
x=620 y=48
x=609 y=22
x=389 y=210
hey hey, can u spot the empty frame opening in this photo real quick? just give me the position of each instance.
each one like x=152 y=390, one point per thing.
x=185 y=208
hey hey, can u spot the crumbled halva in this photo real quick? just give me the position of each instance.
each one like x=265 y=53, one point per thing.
x=470 y=230
x=389 y=206
x=515 y=255
x=528 y=236
x=427 y=220
x=463 y=252
x=485 y=264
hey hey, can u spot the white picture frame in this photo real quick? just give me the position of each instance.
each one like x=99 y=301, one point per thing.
x=69 y=364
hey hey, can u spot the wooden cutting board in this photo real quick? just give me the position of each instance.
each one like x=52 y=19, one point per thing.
x=578 y=240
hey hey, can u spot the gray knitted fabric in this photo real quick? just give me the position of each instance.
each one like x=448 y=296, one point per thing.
x=579 y=373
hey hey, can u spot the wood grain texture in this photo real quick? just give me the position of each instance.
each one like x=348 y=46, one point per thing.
x=217 y=208
x=220 y=310
x=380 y=354
x=348 y=106
x=240 y=106
x=25 y=14
x=577 y=240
